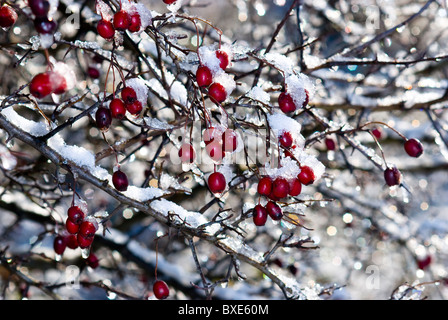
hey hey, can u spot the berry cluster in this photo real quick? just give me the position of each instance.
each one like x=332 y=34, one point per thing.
x=8 y=16
x=81 y=225
x=57 y=80
x=210 y=73
x=130 y=16
x=63 y=241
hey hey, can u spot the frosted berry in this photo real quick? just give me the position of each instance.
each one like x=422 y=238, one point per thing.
x=45 y=26
x=122 y=20
x=105 y=29
x=306 y=175
x=208 y=135
x=204 y=76
x=39 y=8
x=229 y=140
x=103 y=118
x=120 y=180
x=136 y=23
x=280 y=188
x=217 y=182
x=413 y=148
x=186 y=153
x=286 y=103
x=215 y=151
x=135 y=107
x=8 y=16
x=392 y=176
x=128 y=95
x=71 y=227
x=117 y=108
x=58 y=82
x=59 y=244
x=223 y=59
x=259 y=215
x=161 y=290
x=286 y=139
x=41 y=85
x=274 y=211
x=295 y=187
x=264 y=187
x=217 y=93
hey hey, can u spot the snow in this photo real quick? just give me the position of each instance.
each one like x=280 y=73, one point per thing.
x=288 y=169
x=104 y=10
x=143 y=194
x=257 y=93
x=189 y=218
x=36 y=129
x=140 y=89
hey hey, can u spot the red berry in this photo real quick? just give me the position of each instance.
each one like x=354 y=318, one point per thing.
x=45 y=26
x=87 y=230
x=229 y=140
x=92 y=261
x=160 y=288
x=71 y=227
x=136 y=23
x=72 y=241
x=186 y=153
x=208 y=135
x=169 y=1
x=264 y=186
x=295 y=187
x=128 y=95
x=204 y=76
x=377 y=132
x=39 y=8
x=306 y=175
x=215 y=151
x=41 y=85
x=105 y=29
x=274 y=211
x=59 y=244
x=120 y=180
x=217 y=182
x=223 y=59
x=75 y=214
x=392 y=176
x=413 y=148
x=103 y=118
x=424 y=262
x=135 y=107
x=286 y=103
x=330 y=143
x=122 y=20
x=307 y=98
x=280 y=188
x=260 y=215
x=93 y=72
x=8 y=16
x=217 y=93
x=84 y=242
x=117 y=108
x=286 y=139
